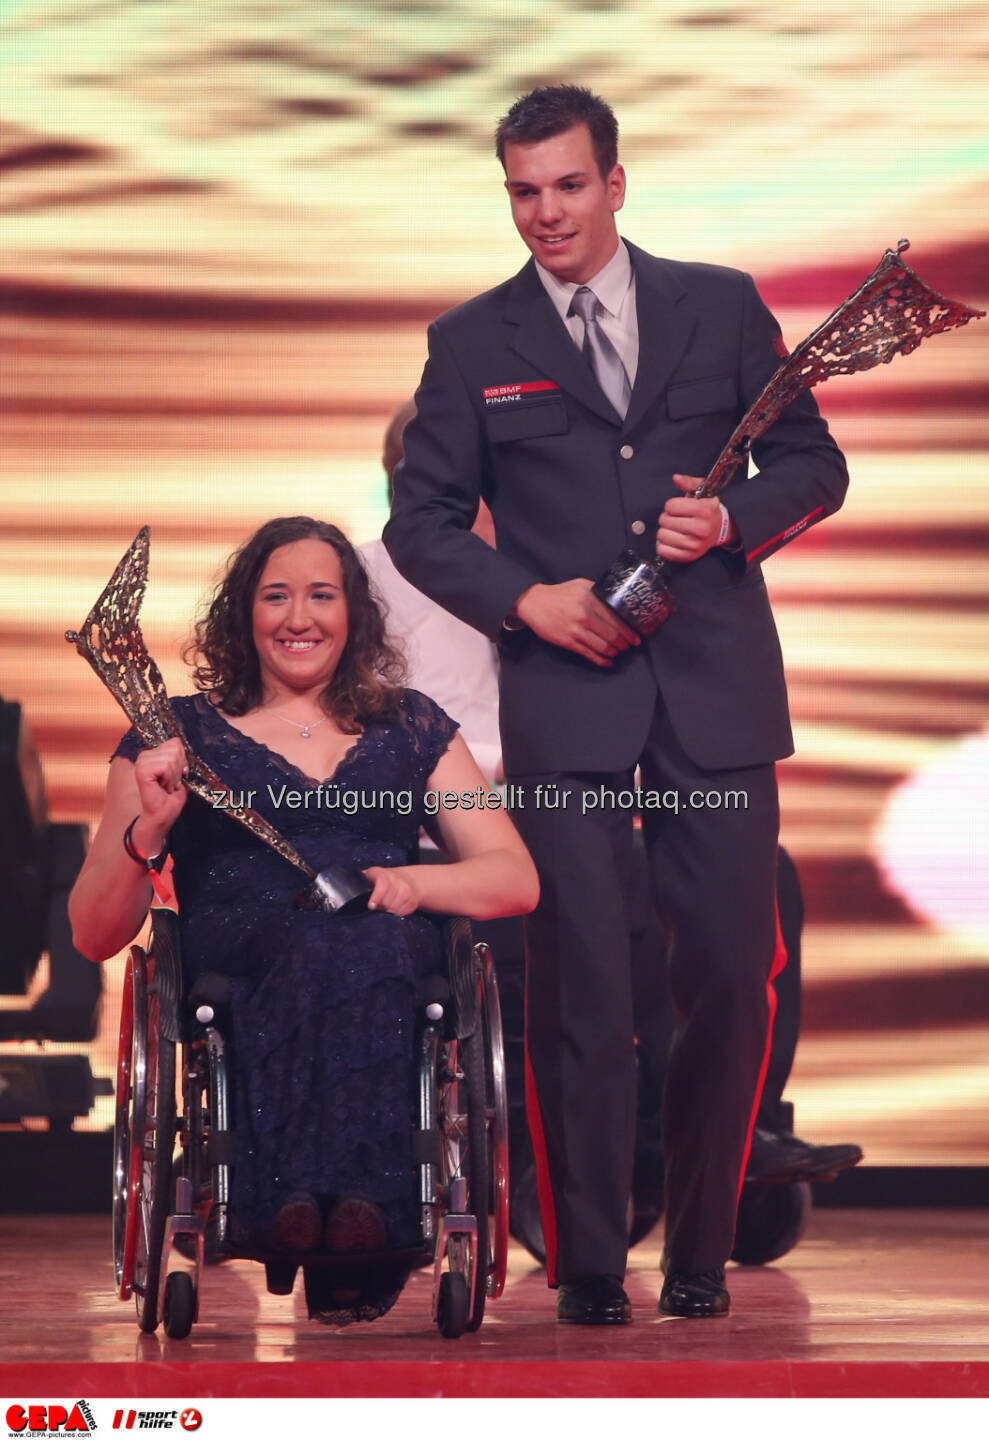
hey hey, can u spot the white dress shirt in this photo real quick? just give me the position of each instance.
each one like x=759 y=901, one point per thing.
x=614 y=285
x=451 y=662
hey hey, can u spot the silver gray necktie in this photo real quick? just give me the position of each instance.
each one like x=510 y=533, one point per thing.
x=599 y=352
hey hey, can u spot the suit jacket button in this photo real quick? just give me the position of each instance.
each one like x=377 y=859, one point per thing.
x=626 y=452
x=638 y=527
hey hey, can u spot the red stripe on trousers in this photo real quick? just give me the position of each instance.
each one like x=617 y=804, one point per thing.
x=534 y=1116
x=779 y=962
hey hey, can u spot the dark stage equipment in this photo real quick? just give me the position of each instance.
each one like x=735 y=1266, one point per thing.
x=39 y=862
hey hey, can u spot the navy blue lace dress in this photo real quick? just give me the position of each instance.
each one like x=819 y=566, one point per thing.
x=322 y=1005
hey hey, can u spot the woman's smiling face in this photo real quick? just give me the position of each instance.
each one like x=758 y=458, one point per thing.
x=299 y=617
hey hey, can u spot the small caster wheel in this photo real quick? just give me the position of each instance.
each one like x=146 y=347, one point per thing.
x=180 y=1305
x=453 y=1305
x=771 y=1219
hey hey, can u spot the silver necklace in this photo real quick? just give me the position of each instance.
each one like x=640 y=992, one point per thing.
x=306 y=729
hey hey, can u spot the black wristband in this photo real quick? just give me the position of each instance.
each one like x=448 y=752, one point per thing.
x=147 y=862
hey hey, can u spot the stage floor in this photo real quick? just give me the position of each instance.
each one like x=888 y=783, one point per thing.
x=870 y=1303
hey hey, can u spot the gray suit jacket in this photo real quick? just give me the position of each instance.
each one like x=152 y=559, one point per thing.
x=509 y=410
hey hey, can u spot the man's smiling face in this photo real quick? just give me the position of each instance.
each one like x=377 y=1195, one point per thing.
x=562 y=208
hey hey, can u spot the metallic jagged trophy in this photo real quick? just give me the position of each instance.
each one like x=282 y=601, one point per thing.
x=889 y=314
x=112 y=642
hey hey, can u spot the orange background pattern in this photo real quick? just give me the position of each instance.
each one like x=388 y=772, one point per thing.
x=225 y=230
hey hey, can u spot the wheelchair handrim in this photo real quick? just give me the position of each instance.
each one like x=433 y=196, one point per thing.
x=498 y=1123
x=129 y=1120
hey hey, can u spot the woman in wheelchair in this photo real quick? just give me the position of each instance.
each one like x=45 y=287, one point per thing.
x=299 y=710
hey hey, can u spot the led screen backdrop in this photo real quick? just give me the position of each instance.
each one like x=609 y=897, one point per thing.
x=225 y=228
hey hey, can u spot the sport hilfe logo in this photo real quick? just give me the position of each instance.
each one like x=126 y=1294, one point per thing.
x=189 y=1419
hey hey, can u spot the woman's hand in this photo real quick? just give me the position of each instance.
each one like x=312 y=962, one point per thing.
x=110 y=898
x=395 y=889
x=158 y=774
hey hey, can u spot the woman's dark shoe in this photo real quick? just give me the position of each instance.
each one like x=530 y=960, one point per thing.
x=355 y=1225
x=594 y=1300
x=280 y=1276
x=298 y=1224
x=695 y=1296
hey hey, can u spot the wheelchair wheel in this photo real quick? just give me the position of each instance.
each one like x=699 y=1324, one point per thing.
x=474 y=1166
x=453 y=1306
x=144 y=1136
x=490 y=1039
x=179 y=1309
x=483 y=1060
x=124 y=1221
x=771 y=1220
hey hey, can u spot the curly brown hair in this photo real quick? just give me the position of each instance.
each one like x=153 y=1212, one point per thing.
x=367 y=682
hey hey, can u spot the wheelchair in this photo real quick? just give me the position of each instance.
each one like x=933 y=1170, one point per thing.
x=172 y=1163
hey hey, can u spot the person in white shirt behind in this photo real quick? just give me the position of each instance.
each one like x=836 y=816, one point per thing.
x=451 y=662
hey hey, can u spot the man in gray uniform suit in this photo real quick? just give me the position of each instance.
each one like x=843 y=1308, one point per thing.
x=583 y=399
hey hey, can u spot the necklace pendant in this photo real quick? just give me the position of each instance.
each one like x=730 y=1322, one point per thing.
x=305 y=733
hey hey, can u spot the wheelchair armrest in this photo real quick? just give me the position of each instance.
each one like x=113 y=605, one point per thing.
x=432 y=990
x=176 y=1008
x=213 y=989
x=464 y=1010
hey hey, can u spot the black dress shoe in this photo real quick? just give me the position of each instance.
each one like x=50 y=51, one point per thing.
x=778 y=1156
x=594 y=1300
x=695 y=1296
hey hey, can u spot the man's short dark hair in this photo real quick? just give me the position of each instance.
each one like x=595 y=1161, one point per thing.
x=551 y=109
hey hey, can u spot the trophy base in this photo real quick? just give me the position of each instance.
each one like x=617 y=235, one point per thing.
x=635 y=589
x=338 y=890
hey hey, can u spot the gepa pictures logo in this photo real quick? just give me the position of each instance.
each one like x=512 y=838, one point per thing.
x=50 y=1419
